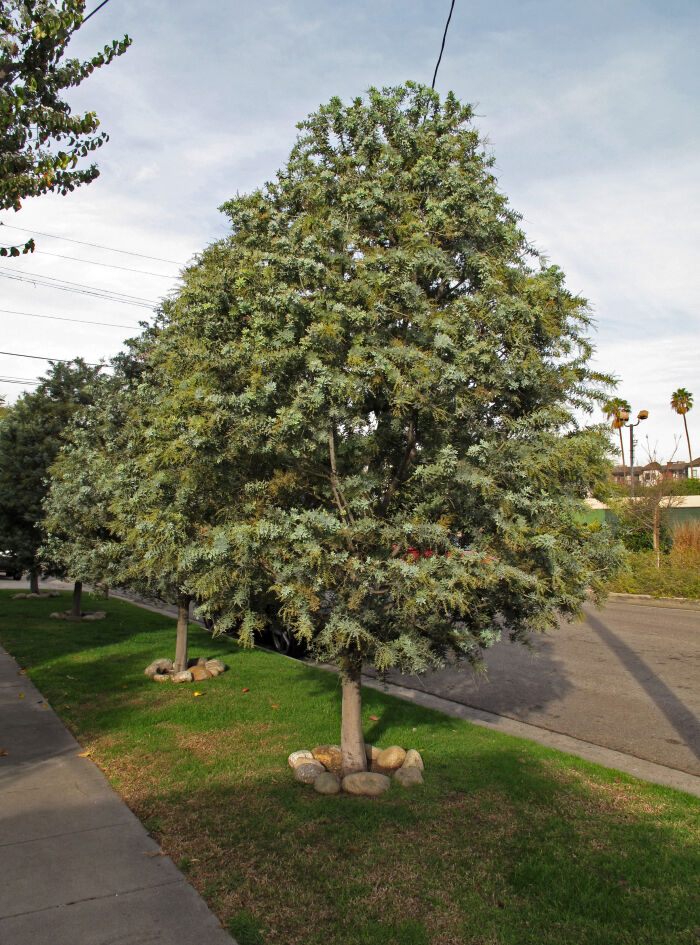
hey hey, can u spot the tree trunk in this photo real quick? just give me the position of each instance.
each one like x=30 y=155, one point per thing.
x=33 y=582
x=352 y=740
x=690 y=455
x=622 y=448
x=77 y=599
x=183 y=619
x=657 y=535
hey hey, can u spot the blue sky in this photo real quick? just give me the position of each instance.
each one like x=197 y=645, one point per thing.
x=591 y=112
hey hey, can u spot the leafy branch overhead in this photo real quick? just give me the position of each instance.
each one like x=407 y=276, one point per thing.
x=41 y=141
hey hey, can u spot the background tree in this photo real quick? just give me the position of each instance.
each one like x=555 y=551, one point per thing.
x=41 y=141
x=682 y=402
x=612 y=409
x=395 y=373
x=30 y=437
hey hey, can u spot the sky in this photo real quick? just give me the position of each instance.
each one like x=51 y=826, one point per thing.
x=591 y=111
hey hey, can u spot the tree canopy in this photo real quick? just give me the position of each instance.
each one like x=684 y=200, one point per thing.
x=31 y=434
x=391 y=373
x=41 y=141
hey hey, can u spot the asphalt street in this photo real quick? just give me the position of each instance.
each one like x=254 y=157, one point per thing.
x=627 y=678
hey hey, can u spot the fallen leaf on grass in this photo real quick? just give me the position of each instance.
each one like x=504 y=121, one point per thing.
x=125 y=686
x=245 y=690
x=274 y=707
x=373 y=718
x=84 y=754
x=197 y=693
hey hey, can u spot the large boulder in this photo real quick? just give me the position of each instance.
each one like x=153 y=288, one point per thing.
x=330 y=757
x=413 y=760
x=200 y=673
x=408 y=776
x=390 y=759
x=308 y=772
x=159 y=666
x=297 y=757
x=184 y=676
x=327 y=783
x=216 y=667
x=366 y=782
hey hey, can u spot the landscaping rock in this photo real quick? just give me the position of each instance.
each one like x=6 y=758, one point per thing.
x=408 y=776
x=95 y=615
x=161 y=666
x=367 y=783
x=413 y=760
x=20 y=596
x=200 y=673
x=297 y=757
x=56 y=615
x=161 y=677
x=391 y=758
x=216 y=667
x=372 y=753
x=308 y=772
x=330 y=757
x=184 y=676
x=327 y=783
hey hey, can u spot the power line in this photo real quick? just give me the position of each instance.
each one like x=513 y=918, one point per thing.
x=93 y=12
x=80 y=289
x=92 y=262
x=110 y=249
x=61 y=318
x=19 y=380
x=442 y=48
x=38 y=357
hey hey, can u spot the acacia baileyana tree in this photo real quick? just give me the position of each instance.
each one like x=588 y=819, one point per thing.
x=390 y=373
x=41 y=142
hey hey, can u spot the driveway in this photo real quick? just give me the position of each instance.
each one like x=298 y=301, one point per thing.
x=628 y=678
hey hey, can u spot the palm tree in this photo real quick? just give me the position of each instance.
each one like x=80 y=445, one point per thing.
x=682 y=401
x=612 y=410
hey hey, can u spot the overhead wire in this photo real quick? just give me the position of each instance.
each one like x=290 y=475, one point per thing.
x=93 y=12
x=38 y=357
x=79 y=288
x=93 y=262
x=442 y=48
x=61 y=318
x=110 y=249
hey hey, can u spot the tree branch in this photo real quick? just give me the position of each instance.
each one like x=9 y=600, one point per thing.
x=408 y=455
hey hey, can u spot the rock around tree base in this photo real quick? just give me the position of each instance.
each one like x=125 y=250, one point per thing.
x=322 y=768
x=198 y=670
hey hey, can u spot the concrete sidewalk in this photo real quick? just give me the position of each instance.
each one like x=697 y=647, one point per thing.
x=77 y=867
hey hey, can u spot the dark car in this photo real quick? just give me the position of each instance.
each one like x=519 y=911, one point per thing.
x=9 y=565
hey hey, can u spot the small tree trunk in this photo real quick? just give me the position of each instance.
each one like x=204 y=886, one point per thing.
x=106 y=593
x=352 y=740
x=622 y=448
x=33 y=582
x=183 y=619
x=77 y=599
x=690 y=455
x=657 y=535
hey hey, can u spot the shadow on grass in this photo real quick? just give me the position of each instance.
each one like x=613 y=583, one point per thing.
x=496 y=847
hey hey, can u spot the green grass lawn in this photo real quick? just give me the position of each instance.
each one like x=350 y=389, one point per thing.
x=508 y=843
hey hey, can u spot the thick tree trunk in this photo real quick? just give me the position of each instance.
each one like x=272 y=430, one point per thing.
x=183 y=619
x=77 y=599
x=33 y=582
x=352 y=740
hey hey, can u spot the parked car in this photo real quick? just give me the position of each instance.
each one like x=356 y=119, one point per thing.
x=9 y=566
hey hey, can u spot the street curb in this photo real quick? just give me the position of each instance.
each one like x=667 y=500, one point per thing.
x=607 y=757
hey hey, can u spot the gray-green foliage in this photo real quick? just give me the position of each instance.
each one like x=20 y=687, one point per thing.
x=387 y=365
x=31 y=434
